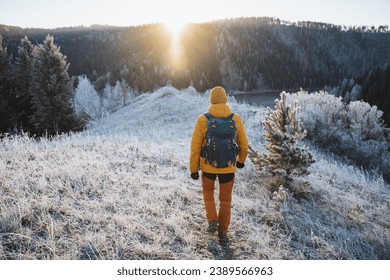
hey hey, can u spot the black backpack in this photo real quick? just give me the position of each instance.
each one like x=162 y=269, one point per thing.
x=220 y=148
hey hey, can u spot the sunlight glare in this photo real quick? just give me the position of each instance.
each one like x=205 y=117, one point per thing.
x=177 y=54
x=175 y=27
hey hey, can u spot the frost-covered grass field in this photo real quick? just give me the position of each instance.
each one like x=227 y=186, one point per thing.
x=122 y=190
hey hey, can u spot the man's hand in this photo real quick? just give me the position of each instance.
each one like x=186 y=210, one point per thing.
x=240 y=165
x=195 y=175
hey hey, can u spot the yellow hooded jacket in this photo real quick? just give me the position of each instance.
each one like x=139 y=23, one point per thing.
x=219 y=110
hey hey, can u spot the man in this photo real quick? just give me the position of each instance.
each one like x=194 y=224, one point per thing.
x=218 y=109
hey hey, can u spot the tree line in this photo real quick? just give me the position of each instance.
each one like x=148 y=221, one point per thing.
x=372 y=86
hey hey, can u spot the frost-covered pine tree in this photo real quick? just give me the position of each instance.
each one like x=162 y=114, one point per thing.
x=6 y=113
x=20 y=70
x=87 y=102
x=365 y=121
x=51 y=90
x=283 y=131
x=112 y=97
x=125 y=92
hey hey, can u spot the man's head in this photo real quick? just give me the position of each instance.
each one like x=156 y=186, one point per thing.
x=218 y=95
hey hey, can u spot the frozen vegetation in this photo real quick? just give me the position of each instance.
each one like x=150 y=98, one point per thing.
x=122 y=190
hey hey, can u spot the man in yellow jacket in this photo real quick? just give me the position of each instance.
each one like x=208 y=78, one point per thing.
x=218 y=109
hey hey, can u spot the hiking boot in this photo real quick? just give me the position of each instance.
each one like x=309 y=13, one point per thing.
x=213 y=226
x=223 y=238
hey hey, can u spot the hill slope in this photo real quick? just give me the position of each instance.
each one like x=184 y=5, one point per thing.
x=122 y=190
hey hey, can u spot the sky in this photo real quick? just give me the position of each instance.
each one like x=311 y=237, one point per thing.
x=65 y=13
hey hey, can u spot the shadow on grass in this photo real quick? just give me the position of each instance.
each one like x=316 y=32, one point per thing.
x=220 y=251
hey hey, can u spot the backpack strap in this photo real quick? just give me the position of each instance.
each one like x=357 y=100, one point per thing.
x=230 y=117
x=208 y=116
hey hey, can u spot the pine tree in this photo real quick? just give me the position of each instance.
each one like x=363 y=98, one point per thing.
x=5 y=112
x=283 y=131
x=20 y=70
x=87 y=101
x=51 y=91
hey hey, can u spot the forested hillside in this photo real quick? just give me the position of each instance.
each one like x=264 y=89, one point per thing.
x=241 y=54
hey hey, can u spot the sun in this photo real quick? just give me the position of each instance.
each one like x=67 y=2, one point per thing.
x=175 y=27
x=177 y=55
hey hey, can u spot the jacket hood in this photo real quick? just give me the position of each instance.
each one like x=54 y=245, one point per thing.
x=220 y=110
